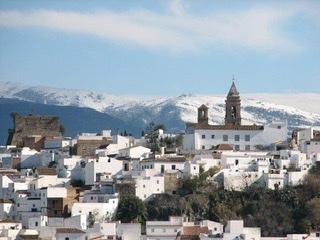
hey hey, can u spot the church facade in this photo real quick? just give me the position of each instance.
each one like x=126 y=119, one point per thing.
x=203 y=136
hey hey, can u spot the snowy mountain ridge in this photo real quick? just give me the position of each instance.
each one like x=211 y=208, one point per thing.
x=300 y=109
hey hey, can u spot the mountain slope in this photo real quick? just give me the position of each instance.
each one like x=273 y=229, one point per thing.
x=74 y=119
x=137 y=111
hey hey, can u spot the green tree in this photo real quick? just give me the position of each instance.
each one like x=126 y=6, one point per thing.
x=62 y=129
x=313 y=209
x=131 y=209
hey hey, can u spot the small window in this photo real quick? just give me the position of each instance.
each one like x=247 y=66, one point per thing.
x=109 y=160
x=91 y=198
x=236 y=162
x=247 y=138
x=152 y=229
x=279 y=127
x=175 y=230
x=144 y=186
x=55 y=212
x=212 y=136
x=145 y=196
x=164 y=230
x=203 y=147
x=162 y=168
x=194 y=168
x=225 y=138
x=237 y=147
x=247 y=147
x=157 y=181
x=173 y=167
x=66 y=238
x=36 y=224
x=203 y=136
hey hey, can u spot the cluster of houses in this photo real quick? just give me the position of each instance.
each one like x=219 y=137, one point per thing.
x=69 y=188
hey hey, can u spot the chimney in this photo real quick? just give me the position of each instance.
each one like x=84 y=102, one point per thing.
x=162 y=151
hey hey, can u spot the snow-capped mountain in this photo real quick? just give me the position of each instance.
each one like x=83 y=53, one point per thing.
x=299 y=109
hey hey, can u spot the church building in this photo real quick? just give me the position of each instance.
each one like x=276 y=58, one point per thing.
x=202 y=135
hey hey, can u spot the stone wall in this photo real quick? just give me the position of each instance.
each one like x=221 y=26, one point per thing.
x=25 y=126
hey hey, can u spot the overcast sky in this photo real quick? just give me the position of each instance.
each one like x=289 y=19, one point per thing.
x=157 y=47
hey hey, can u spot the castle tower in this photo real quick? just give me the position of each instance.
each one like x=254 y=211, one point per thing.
x=233 y=107
x=203 y=114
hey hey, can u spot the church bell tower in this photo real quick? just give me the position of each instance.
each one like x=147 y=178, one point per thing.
x=233 y=107
x=203 y=114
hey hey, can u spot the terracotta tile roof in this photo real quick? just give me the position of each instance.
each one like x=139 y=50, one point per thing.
x=194 y=230
x=9 y=221
x=46 y=171
x=69 y=230
x=5 y=201
x=203 y=125
x=224 y=147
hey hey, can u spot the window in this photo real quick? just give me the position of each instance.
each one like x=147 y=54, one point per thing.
x=164 y=230
x=236 y=161
x=173 y=167
x=247 y=147
x=109 y=160
x=225 y=138
x=152 y=229
x=126 y=167
x=157 y=181
x=203 y=136
x=237 y=147
x=212 y=136
x=55 y=212
x=66 y=238
x=203 y=147
x=194 y=168
x=91 y=198
x=247 y=138
x=236 y=138
x=36 y=224
x=144 y=186
x=175 y=230
x=162 y=168
x=145 y=196
x=279 y=127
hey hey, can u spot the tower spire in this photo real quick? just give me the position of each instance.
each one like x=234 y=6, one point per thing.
x=233 y=89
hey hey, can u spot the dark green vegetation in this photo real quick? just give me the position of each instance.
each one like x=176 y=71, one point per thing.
x=131 y=209
x=154 y=143
x=277 y=212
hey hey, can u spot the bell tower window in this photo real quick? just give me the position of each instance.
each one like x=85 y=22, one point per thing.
x=233 y=112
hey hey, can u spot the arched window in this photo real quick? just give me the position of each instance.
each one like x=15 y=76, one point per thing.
x=233 y=112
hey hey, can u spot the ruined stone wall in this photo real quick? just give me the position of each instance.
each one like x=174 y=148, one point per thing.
x=28 y=125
